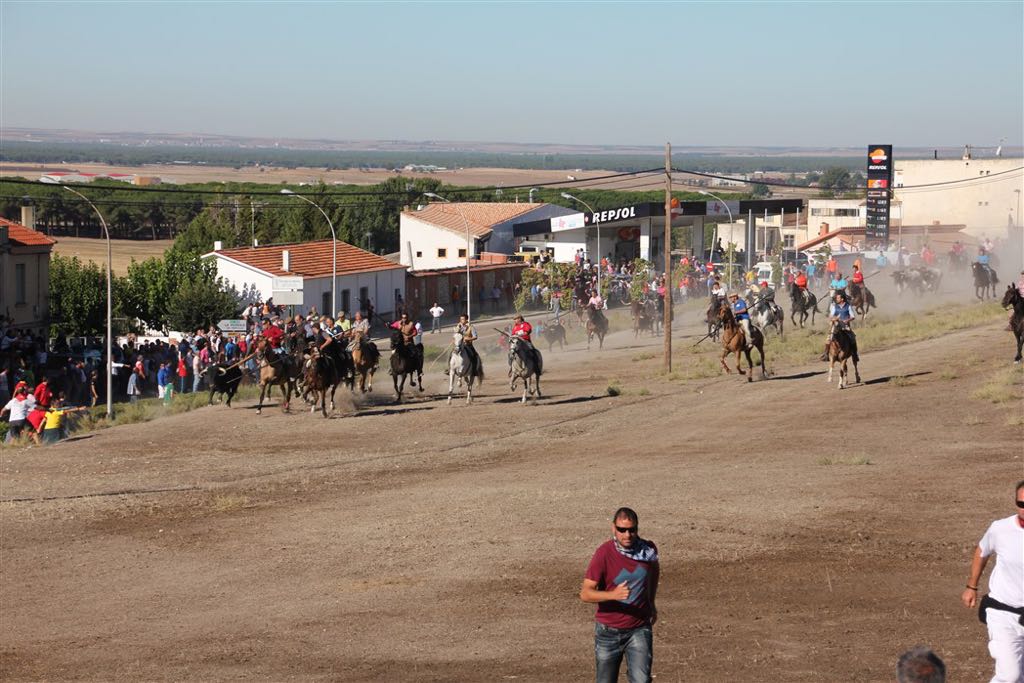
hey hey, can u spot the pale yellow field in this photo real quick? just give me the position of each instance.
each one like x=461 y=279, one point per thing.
x=484 y=177
x=122 y=251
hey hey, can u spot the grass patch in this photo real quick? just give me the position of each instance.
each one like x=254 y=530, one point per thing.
x=1015 y=420
x=614 y=389
x=1001 y=387
x=949 y=373
x=902 y=381
x=229 y=503
x=859 y=460
x=644 y=391
x=973 y=420
x=642 y=356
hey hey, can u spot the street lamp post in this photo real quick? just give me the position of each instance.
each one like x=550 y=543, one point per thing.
x=731 y=251
x=1017 y=217
x=334 y=249
x=469 y=281
x=593 y=213
x=110 y=305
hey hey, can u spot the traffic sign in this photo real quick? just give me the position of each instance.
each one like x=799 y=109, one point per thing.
x=228 y=325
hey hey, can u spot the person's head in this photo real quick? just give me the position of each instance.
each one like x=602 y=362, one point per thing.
x=341 y=315
x=1020 y=499
x=463 y=318
x=734 y=297
x=840 y=297
x=856 y=267
x=405 y=317
x=266 y=322
x=518 y=318
x=625 y=527
x=920 y=665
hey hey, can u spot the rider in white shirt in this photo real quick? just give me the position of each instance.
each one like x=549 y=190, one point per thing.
x=595 y=300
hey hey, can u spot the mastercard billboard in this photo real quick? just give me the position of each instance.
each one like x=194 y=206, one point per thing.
x=876 y=227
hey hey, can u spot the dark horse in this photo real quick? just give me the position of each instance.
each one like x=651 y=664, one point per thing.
x=841 y=348
x=861 y=299
x=711 y=317
x=597 y=324
x=1014 y=298
x=321 y=374
x=734 y=341
x=642 y=316
x=985 y=280
x=406 y=361
x=799 y=304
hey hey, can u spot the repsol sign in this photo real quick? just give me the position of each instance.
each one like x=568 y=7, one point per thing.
x=610 y=215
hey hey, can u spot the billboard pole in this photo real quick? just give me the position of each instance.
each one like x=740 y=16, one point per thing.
x=667 y=321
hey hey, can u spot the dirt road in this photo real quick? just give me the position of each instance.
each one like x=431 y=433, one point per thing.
x=807 y=534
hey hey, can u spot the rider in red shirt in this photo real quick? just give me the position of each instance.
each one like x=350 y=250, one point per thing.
x=858 y=277
x=522 y=329
x=273 y=334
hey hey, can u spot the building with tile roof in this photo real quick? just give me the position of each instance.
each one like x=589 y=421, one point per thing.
x=433 y=236
x=25 y=275
x=300 y=274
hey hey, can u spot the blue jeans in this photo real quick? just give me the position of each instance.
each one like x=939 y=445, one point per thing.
x=611 y=643
x=436 y=327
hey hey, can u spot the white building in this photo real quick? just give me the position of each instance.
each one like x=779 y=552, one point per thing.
x=987 y=201
x=361 y=276
x=433 y=237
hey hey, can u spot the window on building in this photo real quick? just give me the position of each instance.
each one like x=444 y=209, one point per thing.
x=346 y=302
x=364 y=297
x=325 y=303
x=19 y=283
x=462 y=253
x=419 y=254
x=788 y=241
x=442 y=253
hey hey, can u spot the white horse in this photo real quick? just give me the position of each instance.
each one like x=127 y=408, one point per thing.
x=524 y=365
x=460 y=366
x=766 y=313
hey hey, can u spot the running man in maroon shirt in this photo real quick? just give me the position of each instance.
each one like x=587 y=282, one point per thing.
x=622 y=579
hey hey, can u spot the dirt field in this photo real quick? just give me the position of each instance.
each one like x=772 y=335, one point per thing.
x=122 y=251
x=807 y=534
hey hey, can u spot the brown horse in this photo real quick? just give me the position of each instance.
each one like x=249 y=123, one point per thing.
x=861 y=299
x=365 y=358
x=1012 y=297
x=642 y=319
x=734 y=341
x=320 y=375
x=842 y=347
x=597 y=324
x=280 y=370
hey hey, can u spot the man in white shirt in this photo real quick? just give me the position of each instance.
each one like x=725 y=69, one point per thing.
x=1002 y=609
x=435 y=315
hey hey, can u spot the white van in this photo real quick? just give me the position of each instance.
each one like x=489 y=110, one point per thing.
x=763 y=270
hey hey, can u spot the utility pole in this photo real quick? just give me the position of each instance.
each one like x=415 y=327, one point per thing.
x=667 y=321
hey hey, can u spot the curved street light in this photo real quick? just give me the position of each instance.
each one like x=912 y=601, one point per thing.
x=593 y=213
x=334 y=249
x=469 y=282
x=733 y=251
x=110 y=299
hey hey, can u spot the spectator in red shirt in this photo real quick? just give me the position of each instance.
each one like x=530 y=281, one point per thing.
x=622 y=579
x=273 y=334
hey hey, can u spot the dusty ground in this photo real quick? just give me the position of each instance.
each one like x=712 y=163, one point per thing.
x=122 y=251
x=807 y=534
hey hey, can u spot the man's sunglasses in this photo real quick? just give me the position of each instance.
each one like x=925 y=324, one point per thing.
x=1020 y=504
x=632 y=529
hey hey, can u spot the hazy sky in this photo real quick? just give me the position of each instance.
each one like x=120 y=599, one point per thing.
x=914 y=74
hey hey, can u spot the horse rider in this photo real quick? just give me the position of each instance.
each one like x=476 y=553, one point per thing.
x=294 y=333
x=856 y=280
x=801 y=285
x=469 y=336
x=342 y=324
x=841 y=313
x=596 y=300
x=985 y=260
x=274 y=336
x=409 y=333
x=523 y=330
x=739 y=310
x=838 y=283
x=360 y=325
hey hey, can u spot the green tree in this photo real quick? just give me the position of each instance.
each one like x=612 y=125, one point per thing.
x=78 y=297
x=151 y=284
x=760 y=190
x=836 y=179
x=199 y=303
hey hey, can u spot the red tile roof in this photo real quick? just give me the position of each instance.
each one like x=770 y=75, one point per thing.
x=25 y=237
x=310 y=259
x=481 y=216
